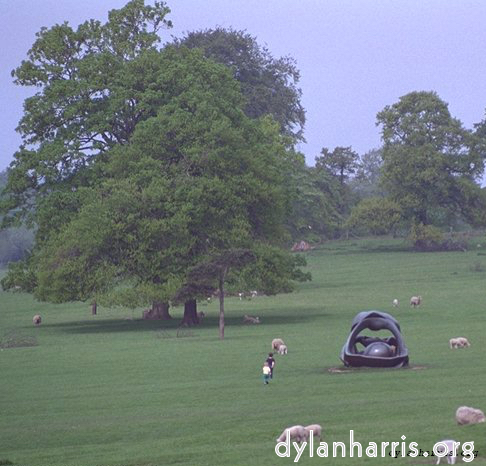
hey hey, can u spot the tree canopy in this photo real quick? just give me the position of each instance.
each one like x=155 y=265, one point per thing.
x=93 y=87
x=431 y=162
x=268 y=84
x=194 y=177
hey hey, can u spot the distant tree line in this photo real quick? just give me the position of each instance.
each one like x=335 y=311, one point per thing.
x=15 y=242
x=157 y=175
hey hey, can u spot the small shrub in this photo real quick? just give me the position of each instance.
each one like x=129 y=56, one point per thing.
x=426 y=237
x=5 y=462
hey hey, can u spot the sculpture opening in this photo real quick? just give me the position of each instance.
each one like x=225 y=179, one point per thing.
x=362 y=350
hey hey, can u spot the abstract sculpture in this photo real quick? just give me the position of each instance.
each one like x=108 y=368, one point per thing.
x=374 y=351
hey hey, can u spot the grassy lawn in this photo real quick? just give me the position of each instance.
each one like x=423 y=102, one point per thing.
x=112 y=389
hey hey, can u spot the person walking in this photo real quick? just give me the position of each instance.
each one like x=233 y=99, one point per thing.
x=266 y=372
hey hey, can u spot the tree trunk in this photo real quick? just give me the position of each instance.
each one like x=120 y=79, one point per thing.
x=190 y=313
x=94 y=308
x=221 y=308
x=222 y=277
x=161 y=310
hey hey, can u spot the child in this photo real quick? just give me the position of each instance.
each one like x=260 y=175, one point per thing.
x=266 y=372
x=271 y=363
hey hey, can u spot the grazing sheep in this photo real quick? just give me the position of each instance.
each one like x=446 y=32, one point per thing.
x=459 y=342
x=453 y=343
x=415 y=301
x=295 y=432
x=37 y=319
x=464 y=342
x=276 y=343
x=200 y=316
x=451 y=459
x=251 y=319
x=467 y=415
x=254 y=293
x=282 y=349
x=316 y=430
x=395 y=302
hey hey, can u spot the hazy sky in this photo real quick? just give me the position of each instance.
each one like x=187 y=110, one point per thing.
x=355 y=56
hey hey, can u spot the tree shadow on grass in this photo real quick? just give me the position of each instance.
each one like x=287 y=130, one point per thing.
x=100 y=326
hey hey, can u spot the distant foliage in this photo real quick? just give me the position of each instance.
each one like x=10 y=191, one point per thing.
x=431 y=162
x=375 y=215
x=314 y=195
x=14 y=242
x=367 y=181
x=426 y=237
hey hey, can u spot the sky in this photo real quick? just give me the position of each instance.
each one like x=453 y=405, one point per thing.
x=355 y=56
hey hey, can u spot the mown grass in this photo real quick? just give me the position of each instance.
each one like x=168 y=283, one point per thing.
x=109 y=391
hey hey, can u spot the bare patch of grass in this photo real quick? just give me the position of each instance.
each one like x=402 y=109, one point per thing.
x=16 y=340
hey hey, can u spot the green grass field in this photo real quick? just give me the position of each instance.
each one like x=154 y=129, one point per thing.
x=106 y=390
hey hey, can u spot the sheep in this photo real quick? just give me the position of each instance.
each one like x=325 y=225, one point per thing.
x=200 y=316
x=459 y=342
x=254 y=293
x=415 y=301
x=395 y=302
x=276 y=343
x=37 y=319
x=467 y=415
x=464 y=342
x=316 y=430
x=295 y=432
x=251 y=319
x=282 y=349
x=451 y=444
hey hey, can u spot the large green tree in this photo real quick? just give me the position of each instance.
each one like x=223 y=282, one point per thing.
x=138 y=165
x=196 y=179
x=269 y=84
x=92 y=89
x=431 y=162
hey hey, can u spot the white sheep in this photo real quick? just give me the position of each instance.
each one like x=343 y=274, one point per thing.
x=395 y=302
x=415 y=301
x=282 y=349
x=254 y=293
x=451 y=444
x=251 y=319
x=295 y=432
x=459 y=342
x=467 y=415
x=316 y=430
x=276 y=343
x=37 y=319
